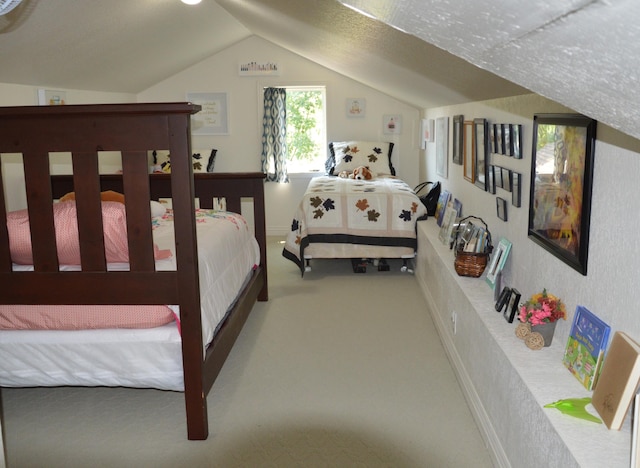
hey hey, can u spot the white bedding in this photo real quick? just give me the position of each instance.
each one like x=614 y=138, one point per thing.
x=145 y=358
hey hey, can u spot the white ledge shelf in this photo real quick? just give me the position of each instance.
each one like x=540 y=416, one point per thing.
x=507 y=384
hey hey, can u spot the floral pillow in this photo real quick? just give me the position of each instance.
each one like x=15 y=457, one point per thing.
x=347 y=155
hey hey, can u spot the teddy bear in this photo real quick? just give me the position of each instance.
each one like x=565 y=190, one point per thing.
x=359 y=173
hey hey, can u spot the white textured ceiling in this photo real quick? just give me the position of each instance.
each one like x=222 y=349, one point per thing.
x=583 y=54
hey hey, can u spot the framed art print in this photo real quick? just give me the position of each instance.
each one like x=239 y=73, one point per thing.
x=458 y=122
x=213 y=119
x=481 y=139
x=442 y=140
x=561 y=180
x=469 y=166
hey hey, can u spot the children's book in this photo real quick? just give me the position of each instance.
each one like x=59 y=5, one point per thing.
x=443 y=200
x=586 y=346
x=618 y=382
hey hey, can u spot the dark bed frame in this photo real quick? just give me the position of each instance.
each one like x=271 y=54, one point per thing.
x=134 y=130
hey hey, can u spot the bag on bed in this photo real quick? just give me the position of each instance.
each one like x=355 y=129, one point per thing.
x=430 y=200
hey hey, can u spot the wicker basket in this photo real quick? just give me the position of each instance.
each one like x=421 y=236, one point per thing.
x=472 y=263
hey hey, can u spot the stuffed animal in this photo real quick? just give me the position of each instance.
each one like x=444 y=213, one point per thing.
x=361 y=173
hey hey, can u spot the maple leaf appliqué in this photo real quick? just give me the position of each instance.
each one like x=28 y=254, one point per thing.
x=318 y=214
x=329 y=204
x=362 y=205
x=315 y=201
x=405 y=215
x=373 y=215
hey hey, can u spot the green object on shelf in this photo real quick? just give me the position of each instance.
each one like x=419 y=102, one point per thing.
x=575 y=407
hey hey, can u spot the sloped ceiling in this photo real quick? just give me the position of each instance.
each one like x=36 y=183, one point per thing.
x=580 y=53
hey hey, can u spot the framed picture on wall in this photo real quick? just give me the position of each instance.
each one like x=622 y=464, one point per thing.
x=356 y=107
x=213 y=119
x=516 y=189
x=516 y=140
x=392 y=124
x=501 y=208
x=561 y=181
x=442 y=143
x=458 y=122
x=469 y=166
x=481 y=139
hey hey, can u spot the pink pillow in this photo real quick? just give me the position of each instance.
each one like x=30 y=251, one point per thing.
x=114 y=225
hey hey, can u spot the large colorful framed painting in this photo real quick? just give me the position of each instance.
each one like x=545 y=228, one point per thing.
x=561 y=181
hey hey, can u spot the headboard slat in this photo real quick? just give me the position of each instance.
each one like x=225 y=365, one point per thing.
x=40 y=207
x=135 y=178
x=86 y=181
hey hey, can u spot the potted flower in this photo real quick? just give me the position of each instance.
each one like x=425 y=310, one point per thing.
x=541 y=312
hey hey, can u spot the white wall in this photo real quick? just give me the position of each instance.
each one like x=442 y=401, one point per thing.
x=609 y=287
x=240 y=150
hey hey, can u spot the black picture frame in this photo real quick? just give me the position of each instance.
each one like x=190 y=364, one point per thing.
x=503 y=299
x=491 y=179
x=481 y=138
x=501 y=208
x=507 y=149
x=516 y=189
x=506 y=179
x=512 y=306
x=516 y=140
x=469 y=166
x=498 y=138
x=458 y=141
x=561 y=182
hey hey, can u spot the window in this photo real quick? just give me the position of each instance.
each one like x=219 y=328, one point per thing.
x=306 y=128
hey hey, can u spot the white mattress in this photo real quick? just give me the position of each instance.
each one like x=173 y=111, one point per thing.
x=144 y=358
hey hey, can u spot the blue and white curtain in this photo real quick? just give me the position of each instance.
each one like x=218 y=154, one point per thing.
x=274 y=135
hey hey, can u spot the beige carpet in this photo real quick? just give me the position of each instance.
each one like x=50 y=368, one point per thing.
x=336 y=370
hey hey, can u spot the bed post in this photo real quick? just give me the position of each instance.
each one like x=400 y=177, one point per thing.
x=183 y=199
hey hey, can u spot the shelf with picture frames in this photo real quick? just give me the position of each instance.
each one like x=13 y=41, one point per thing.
x=506 y=384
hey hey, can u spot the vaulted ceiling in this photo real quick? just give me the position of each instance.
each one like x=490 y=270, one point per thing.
x=581 y=53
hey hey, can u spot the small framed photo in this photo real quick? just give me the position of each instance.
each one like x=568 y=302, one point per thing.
x=506 y=179
x=516 y=140
x=491 y=179
x=498 y=260
x=506 y=134
x=503 y=299
x=516 y=189
x=499 y=141
x=501 y=208
x=512 y=306
x=498 y=176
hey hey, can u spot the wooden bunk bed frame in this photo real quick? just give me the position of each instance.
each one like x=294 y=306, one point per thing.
x=132 y=129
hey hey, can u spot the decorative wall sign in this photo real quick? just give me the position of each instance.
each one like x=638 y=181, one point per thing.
x=258 y=69
x=392 y=124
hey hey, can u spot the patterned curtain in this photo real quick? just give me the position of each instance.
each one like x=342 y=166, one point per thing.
x=274 y=135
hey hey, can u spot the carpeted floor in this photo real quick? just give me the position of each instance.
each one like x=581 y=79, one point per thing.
x=336 y=370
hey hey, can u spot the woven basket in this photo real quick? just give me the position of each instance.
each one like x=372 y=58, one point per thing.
x=472 y=263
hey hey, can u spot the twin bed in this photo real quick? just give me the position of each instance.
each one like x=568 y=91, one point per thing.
x=200 y=270
x=343 y=217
